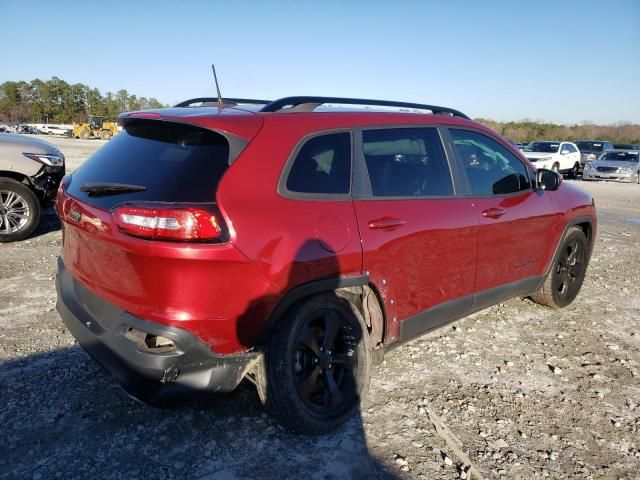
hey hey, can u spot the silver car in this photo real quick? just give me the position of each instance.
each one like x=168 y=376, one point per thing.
x=615 y=165
x=30 y=172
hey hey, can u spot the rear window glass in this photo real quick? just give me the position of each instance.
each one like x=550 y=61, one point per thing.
x=174 y=162
x=406 y=162
x=322 y=166
x=590 y=146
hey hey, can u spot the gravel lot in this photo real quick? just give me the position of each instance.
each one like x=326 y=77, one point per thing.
x=529 y=392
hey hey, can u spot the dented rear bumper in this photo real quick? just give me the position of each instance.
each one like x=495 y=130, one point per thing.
x=181 y=367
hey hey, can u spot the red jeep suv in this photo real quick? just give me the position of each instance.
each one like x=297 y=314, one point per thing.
x=291 y=242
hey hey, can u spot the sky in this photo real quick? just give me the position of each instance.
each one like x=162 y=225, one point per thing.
x=556 y=61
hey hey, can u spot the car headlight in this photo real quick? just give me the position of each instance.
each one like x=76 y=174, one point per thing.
x=50 y=159
x=625 y=170
x=591 y=156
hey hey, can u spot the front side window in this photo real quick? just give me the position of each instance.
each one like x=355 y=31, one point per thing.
x=406 y=162
x=323 y=165
x=491 y=169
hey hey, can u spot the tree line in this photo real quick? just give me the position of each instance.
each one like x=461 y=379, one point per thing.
x=527 y=130
x=57 y=101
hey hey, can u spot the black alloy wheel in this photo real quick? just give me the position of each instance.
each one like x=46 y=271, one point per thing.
x=564 y=280
x=325 y=362
x=316 y=365
x=569 y=270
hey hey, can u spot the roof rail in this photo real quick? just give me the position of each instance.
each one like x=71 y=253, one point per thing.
x=229 y=102
x=295 y=104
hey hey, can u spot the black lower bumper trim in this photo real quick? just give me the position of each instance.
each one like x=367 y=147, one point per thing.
x=156 y=378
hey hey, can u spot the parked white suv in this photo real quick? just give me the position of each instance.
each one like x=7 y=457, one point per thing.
x=53 y=129
x=563 y=157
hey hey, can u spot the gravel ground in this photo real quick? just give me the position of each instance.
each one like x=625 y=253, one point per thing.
x=527 y=391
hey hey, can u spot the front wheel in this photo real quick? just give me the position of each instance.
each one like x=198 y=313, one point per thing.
x=19 y=210
x=316 y=365
x=565 y=278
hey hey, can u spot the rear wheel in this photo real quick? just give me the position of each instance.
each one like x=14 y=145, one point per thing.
x=19 y=210
x=84 y=134
x=565 y=278
x=573 y=173
x=105 y=135
x=316 y=365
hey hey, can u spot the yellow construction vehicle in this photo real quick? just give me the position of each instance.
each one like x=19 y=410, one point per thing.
x=96 y=127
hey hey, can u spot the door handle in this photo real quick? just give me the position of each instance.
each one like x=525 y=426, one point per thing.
x=493 y=212
x=386 y=223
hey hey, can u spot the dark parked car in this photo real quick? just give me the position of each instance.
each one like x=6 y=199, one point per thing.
x=30 y=172
x=293 y=247
x=592 y=149
x=626 y=146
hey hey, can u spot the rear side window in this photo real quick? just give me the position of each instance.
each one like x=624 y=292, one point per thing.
x=491 y=169
x=406 y=162
x=322 y=165
x=174 y=162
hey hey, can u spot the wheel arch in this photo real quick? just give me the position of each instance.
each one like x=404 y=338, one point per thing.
x=587 y=225
x=356 y=289
x=18 y=177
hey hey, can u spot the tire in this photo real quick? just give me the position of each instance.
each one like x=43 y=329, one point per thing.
x=105 y=135
x=556 y=167
x=313 y=393
x=564 y=280
x=84 y=134
x=19 y=211
x=573 y=173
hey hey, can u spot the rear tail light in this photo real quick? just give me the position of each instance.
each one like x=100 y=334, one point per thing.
x=178 y=224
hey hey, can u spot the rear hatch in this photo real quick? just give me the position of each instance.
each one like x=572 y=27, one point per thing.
x=124 y=213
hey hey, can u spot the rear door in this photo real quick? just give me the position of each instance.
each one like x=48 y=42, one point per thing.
x=515 y=235
x=419 y=239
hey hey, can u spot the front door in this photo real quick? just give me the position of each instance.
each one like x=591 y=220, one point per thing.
x=516 y=221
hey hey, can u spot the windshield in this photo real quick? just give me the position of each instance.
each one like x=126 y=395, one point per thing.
x=544 y=147
x=589 y=146
x=621 y=156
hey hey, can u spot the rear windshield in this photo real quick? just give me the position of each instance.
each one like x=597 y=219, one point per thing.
x=589 y=146
x=621 y=156
x=174 y=162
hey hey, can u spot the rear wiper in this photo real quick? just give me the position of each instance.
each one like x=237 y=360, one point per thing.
x=99 y=189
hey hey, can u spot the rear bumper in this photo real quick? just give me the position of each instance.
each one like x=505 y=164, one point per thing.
x=155 y=378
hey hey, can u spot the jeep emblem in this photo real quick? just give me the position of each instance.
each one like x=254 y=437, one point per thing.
x=75 y=215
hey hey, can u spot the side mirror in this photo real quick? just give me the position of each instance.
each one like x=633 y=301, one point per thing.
x=565 y=152
x=547 y=179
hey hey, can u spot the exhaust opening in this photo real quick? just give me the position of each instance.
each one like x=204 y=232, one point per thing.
x=148 y=342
